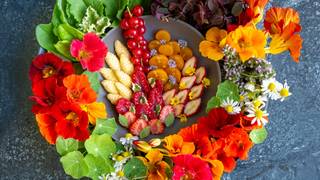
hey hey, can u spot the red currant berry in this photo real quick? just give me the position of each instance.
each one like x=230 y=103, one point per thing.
x=137 y=10
x=146 y=55
x=137 y=52
x=135 y=61
x=145 y=61
x=143 y=43
x=138 y=68
x=134 y=22
x=124 y=24
x=126 y=15
x=132 y=44
x=141 y=22
x=146 y=69
x=130 y=33
x=139 y=38
x=141 y=30
x=145 y=47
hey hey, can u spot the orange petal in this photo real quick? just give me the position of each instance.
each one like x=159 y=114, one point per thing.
x=216 y=35
x=96 y=110
x=187 y=148
x=154 y=156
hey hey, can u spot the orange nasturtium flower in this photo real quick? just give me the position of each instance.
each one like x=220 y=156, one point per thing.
x=156 y=167
x=212 y=46
x=216 y=168
x=255 y=9
x=248 y=42
x=283 y=26
x=96 y=110
x=175 y=145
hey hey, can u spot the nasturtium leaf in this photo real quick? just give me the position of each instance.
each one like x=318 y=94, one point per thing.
x=123 y=121
x=74 y=165
x=145 y=132
x=105 y=126
x=119 y=146
x=169 y=120
x=97 y=166
x=135 y=169
x=228 y=89
x=77 y=9
x=100 y=145
x=64 y=146
x=214 y=102
x=61 y=5
x=94 y=80
x=45 y=37
x=257 y=136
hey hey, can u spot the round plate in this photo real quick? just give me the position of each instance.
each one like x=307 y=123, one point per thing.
x=178 y=30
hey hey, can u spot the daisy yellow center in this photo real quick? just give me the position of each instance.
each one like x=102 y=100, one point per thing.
x=257 y=103
x=272 y=87
x=128 y=136
x=284 y=92
x=229 y=108
x=259 y=114
x=73 y=117
x=241 y=98
x=120 y=173
x=48 y=72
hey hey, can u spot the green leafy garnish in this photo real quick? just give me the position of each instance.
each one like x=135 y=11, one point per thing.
x=214 y=102
x=135 y=169
x=100 y=145
x=94 y=80
x=74 y=165
x=145 y=132
x=105 y=126
x=97 y=166
x=64 y=146
x=228 y=89
x=123 y=121
x=257 y=136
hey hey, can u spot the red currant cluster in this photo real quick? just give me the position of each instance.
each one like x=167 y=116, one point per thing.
x=133 y=30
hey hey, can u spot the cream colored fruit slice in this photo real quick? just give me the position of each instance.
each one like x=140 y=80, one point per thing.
x=121 y=49
x=123 y=78
x=108 y=74
x=123 y=90
x=126 y=65
x=113 y=98
x=109 y=86
x=112 y=61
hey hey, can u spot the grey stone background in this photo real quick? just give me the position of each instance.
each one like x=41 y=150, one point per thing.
x=292 y=150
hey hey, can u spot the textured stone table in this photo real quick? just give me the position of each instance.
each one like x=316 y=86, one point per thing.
x=292 y=150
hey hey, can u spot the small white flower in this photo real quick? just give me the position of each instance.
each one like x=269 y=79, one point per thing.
x=250 y=87
x=259 y=116
x=128 y=139
x=271 y=87
x=259 y=102
x=231 y=106
x=284 y=91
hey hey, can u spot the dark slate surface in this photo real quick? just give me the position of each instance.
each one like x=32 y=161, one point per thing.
x=292 y=150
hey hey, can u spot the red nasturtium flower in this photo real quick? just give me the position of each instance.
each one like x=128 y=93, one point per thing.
x=46 y=94
x=46 y=123
x=49 y=65
x=79 y=89
x=90 y=52
x=188 y=167
x=72 y=121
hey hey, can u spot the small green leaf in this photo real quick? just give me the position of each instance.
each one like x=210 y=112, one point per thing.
x=169 y=120
x=100 y=145
x=105 y=126
x=257 y=136
x=135 y=169
x=94 y=80
x=64 y=146
x=123 y=121
x=45 y=37
x=97 y=166
x=214 y=102
x=145 y=132
x=74 y=165
x=77 y=9
x=228 y=89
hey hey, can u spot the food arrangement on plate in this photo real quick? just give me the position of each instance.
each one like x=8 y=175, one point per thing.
x=127 y=96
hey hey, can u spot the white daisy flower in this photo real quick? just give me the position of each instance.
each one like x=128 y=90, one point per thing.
x=128 y=139
x=271 y=87
x=250 y=87
x=231 y=106
x=284 y=91
x=259 y=116
x=259 y=102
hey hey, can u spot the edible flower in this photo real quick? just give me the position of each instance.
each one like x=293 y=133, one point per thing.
x=175 y=145
x=258 y=116
x=46 y=123
x=95 y=110
x=284 y=92
x=190 y=71
x=248 y=42
x=206 y=82
x=188 y=167
x=255 y=10
x=90 y=52
x=157 y=168
x=271 y=88
x=174 y=101
x=231 y=106
x=212 y=46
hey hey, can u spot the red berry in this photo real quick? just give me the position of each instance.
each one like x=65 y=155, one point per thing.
x=140 y=78
x=141 y=30
x=137 y=10
x=145 y=61
x=138 y=126
x=141 y=22
x=123 y=106
x=145 y=48
x=139 y=98
x=130 y=33
x=146 y=55
x=132 y=44
x=143 y=42
x=156 y=126
x=124 y=24
x=136 y=61
x=131 y=117
x=126 y=15
x=138 y=68
x=139 y=38
x=137 y=52
x=146 y=70
x=134 y=22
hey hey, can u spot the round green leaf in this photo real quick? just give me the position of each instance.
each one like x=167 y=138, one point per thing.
x=94 y=80
x=105 y=126
x=100 y=145
x=214 y=102
x=64 y=146
x=135 y=169
x=228 y=89
x=257 y=136
x=74 y=165
x=97 y=166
